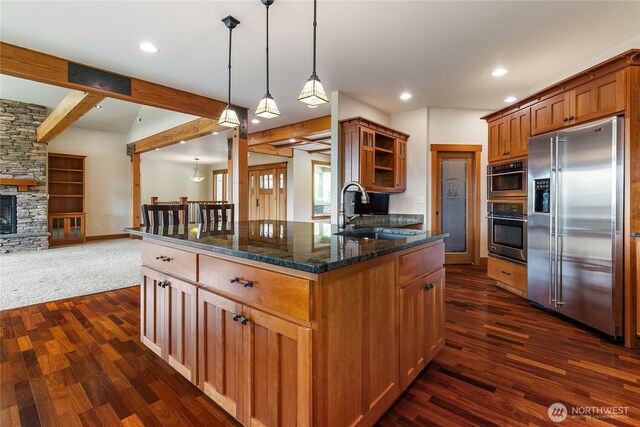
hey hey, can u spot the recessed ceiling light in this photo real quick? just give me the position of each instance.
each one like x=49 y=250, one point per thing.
x=255 y=121
x=183 y=142
x=157 y=149
x=98 y=106
x=292 y=140
x=510 y=99
x=405 y=96
x=499 y=72
x=148 y=47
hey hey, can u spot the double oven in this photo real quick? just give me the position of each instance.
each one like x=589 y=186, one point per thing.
x=507 y=210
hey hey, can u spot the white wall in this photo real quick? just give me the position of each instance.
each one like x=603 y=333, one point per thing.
x=107 y=175
x=169 y=180
x=414 y=199
x=456 y=126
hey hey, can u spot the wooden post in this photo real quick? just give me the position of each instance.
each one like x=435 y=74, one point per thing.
x=183 y=200
x=135 y=190
x=239 y=175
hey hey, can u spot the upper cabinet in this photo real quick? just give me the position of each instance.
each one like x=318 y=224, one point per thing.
x=601 y=91
x=374 y=155
x=509 y=136
x=598 y=98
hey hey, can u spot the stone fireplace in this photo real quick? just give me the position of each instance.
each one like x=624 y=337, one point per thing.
x=22 y=158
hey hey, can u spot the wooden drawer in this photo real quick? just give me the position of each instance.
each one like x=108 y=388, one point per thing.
x=420 y=262
x=170 y=260
x=288 y=295
x=508 y=272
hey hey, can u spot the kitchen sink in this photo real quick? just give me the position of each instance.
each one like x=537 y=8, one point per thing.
x=380 y=233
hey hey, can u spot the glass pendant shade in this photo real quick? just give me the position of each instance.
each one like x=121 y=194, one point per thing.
x=229 y=118
x=267 y=108
x=313 y=93
x=197 y=175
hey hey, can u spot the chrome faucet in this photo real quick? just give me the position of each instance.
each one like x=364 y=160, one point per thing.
x=342 y=217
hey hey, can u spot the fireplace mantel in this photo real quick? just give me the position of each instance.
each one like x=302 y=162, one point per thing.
x=22 y=184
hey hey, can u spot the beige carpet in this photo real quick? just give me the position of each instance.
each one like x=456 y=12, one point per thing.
x=39 y=276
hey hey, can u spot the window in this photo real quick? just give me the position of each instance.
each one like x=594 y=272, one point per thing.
x=321 y=192
x=220 y=185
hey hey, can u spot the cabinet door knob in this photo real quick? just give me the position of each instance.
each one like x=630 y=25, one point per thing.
x=566 y=119
x=571 y=118
x=235 y=317
x=504 y=272
x=243 y=320
x=428 y=287
x=163 y=283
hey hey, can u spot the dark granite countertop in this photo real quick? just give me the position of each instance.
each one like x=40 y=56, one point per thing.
x=305 y=246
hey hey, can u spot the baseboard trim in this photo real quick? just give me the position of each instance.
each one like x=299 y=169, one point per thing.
x=107 y=237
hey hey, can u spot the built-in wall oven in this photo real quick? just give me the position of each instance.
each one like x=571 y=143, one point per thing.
x=507 y=180
x=508 y=229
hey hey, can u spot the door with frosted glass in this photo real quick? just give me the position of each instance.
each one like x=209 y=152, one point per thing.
x=268 y=192
x=453 y=186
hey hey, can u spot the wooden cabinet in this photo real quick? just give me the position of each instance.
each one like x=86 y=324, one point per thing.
x=509 y=136
x=255 y=366
x=510 y=275
x=65 y=180
x=220 y=350
x=277 y=362
x=374 y=155
x=401 y=165
x=422 y=324
x=601 y=97
x=277 y=347
x=598 y=98
x=168 y=308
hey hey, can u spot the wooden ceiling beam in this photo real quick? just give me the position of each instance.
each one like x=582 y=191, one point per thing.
x=28 y=64
x=75 y=105
x=294 y=130
x=323 y=150
x=185 y=132
x=271 y=150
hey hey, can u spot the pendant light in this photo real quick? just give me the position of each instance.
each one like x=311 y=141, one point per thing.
x=267 y=107
x=229 y=117
x=197 y=175
x=313 y=93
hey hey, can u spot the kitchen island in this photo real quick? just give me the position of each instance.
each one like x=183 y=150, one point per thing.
x=289 y=323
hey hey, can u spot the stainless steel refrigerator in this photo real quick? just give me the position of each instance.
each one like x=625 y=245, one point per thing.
x=575 y=187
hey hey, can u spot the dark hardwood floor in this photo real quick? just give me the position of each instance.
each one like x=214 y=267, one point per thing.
x=80 y=362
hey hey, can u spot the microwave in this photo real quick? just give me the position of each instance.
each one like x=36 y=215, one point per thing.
x=507 y=180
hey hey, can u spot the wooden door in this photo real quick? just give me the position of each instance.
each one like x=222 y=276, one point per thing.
x=601 y=97
x=181 y=326
x=268 y=192
x=220 y=350
x=277 y=360
x=518 y=133
x=413 y=326
x=456 y=195
x=367 y=151
x=152 y=312
x=497 y=139
x=434 y=313
x=549 y=115
x=400 y=180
